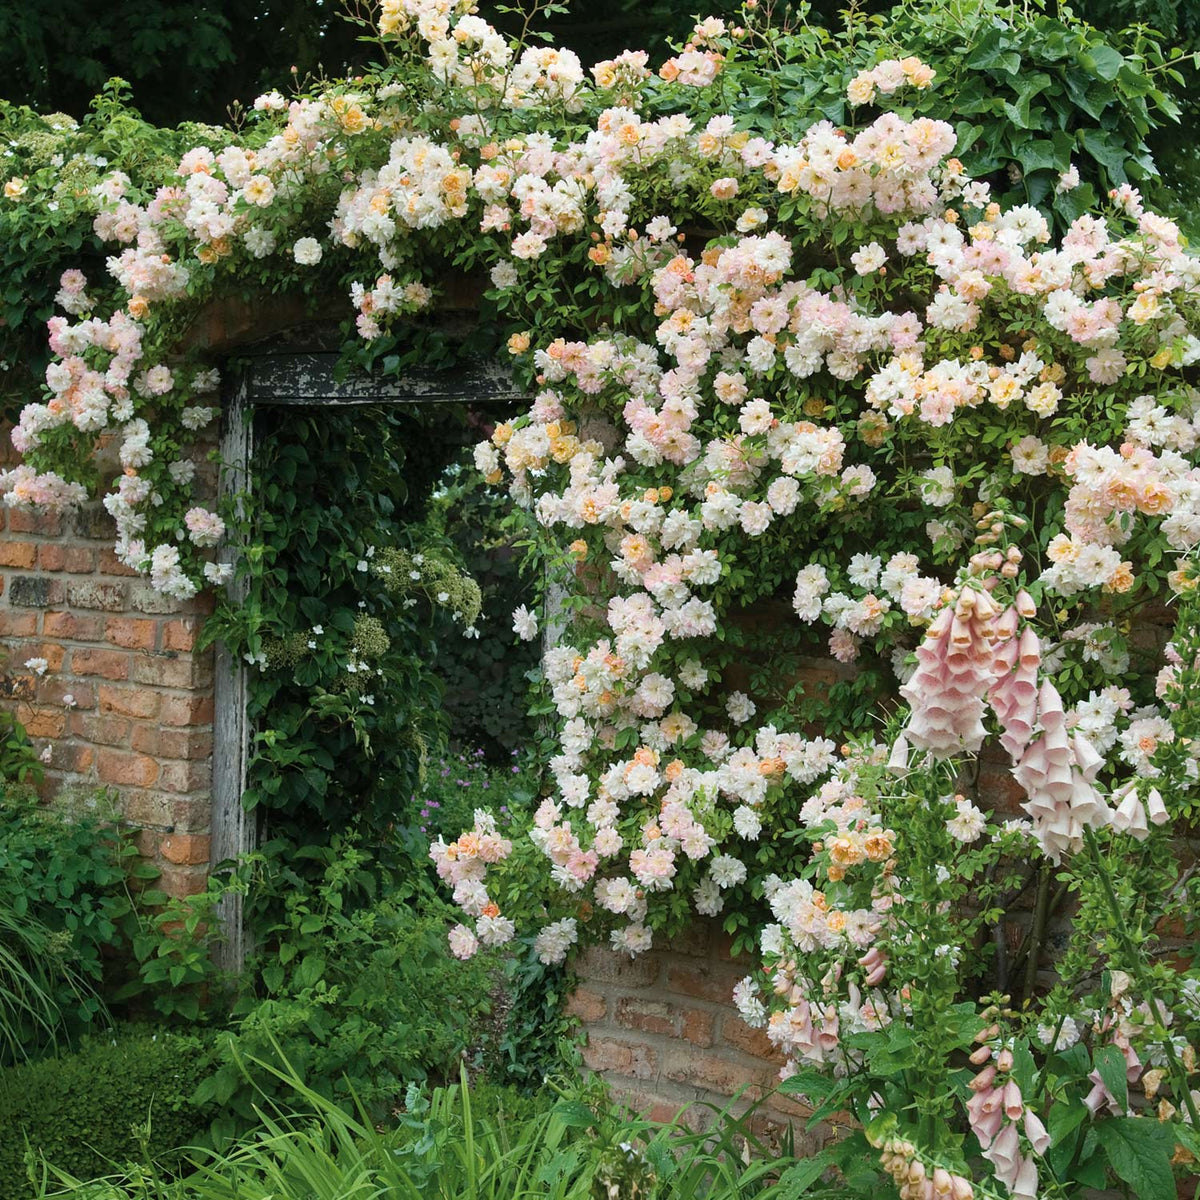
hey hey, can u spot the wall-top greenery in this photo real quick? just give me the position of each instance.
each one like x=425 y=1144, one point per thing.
x=879 y=324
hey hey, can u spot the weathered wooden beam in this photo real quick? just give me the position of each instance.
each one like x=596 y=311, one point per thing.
x=233 y=828
x=308 y=380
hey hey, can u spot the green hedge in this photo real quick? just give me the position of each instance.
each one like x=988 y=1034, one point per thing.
x=79 y=1110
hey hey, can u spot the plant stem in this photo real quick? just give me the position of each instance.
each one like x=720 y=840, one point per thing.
x=1037 y=934
x=1139 y=972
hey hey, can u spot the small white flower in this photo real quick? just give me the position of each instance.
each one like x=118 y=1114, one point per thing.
x=307 y=252
x=525 y=624
x=37 y=665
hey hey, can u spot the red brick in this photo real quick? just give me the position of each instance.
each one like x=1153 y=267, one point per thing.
x=146 y=739
x=180 y=634
x=148 y=842
x=635 y=1059
x=717 y=1074
x=182 y=882
x=71 y=756
x=148 y=809
x=792 y=1106
x=168 y=670
x=144 y=598
x=722 y=950
x=56 y=690
x=137 y=770
x=52 y=652
x=18 y=554
x=89 y=593
x=665 y=1019
x=104 y=731
x=186 y=849
x=35 y=591
x=1000 y=792
x=648 y=1016
x=73 y=627
x=185 y=777
x=25 y=521
x=110 y=564
x=190 y=814
x=129 y=701
x=693 y=940
x=663 y=1109
x=736 y=1033
x=697 y=1027
x=587 y=1005
x=44 y=722
x=186 y=710
x=704 y=981
x=134 y=633
x=76 y=560
x=606 y=966
x=185 y=744
x=108 y=664
x=17 y=624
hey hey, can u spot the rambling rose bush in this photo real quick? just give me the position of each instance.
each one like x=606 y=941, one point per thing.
x=970 y=447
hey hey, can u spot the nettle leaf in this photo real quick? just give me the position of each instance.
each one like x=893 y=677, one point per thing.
x=1139 y=1151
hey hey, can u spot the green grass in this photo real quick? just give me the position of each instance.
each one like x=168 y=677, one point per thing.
x=574 y=1146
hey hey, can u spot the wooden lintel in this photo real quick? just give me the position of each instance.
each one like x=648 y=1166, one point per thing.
x=313 y=380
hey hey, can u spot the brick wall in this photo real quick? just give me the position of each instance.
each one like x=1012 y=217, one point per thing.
x=663 y=1031
x=662 y=1028
x=126 y=702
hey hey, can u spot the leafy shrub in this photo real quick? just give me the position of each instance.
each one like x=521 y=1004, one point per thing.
x=487 y=678
x=360 y=999
x=102 y=1104
x=461 y=1143
x=69 y=918
x=64 y=895
x=462 y=780
x=19 y=761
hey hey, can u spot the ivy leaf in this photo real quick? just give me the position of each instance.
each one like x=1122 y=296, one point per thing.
x=1102 y=60
x=1101 y=146
x=1139 y=1151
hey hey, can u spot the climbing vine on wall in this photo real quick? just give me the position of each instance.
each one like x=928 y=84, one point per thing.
x=347 y=603
x=883 y=330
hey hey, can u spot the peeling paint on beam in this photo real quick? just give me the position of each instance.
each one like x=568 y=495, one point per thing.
x=311 y=379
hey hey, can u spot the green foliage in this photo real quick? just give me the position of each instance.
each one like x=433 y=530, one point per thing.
x=345 y=702
x=486 y=678
x=537 y=1035
x=473 y=1144
x=37 y=244
x=19 y=761
x=360 y=998
x=459 y=782
x=70 y=923
x=114 y=1099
